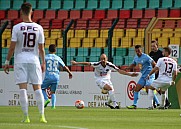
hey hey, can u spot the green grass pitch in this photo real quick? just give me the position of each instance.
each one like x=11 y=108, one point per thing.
x=91 y=118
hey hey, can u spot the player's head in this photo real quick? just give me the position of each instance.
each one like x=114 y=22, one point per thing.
x=52 y=48
x=166 y=51
x=154 y=46
x=103 y=59
x=138 y=50
x=26 y=9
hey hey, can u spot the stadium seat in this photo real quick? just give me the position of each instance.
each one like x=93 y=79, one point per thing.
x=106 y=24
x=87 y=14
x=118 y=60
x=112 y=14
x=106 y=51
x=33 y=3
x=55 y=33
x=132 y=23
x=117 y=4
x=95 y=52
x=124 y=14
x=159 y=24
x=155 y=33
x=153 y=4
x=83 y=52
x=92 y=4
x=174 y=13
x=126 y=42
x=120 y=51
x=46 y=33
x=104 y=33
x=37 y=14
x=50 y=14
x=75 y=42
x=55 y=4
x=45 y=23
x=170 y=24
x=43 y=4
x=118 y=33
x=56 y=24
x=68 y=4
x=178 y=23
x=130 y=33
x=121 y=24
x=76 y=68
x=141 y=33
x=177 y=4
x=62 y=14
x=81 y=24
x=94 y=24
x=100 y=42
x=88 y=68
x=49 y=41
x=128 y=4
x=71 y=52
x=6 y=34
x=59 y=51
x=2 y=14
x=69 y=59
x=80 y=58
x=163 y=42
x=116 y=41
x=137 y=14
x=93 y=33
x=175 y=40
x=5 y=4
x=67 y=22
x=16 y=21
x=70 y=34
x=177 y=32
x=74 y=14
x=80 y=4
x=12 y=14
x=131 y=51
x=17 y=4
x=141 y=4
x=166 y=3
x=149 y=13
x=128 y=60
x=99 y=14
x=87 y=42
x=80 y=33
x=138 y=41
x=60 y=43
x=104 y=4
x=144 y=23
x=162 y=13
x=167 y=33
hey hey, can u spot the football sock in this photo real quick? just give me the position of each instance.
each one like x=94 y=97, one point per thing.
x=24 y=101
x=53 y=100
x=156 y=99
x=163 y=100
x=112 y=97
x=45 y=95
x=40 y=100
x=136 y=97
x=150 y=97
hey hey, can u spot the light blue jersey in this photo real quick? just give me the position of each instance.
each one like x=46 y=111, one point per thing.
x=53 y=63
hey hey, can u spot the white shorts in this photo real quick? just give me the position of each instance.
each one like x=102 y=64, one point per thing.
x=28 y=73
x=102 y=82
x=161 y=84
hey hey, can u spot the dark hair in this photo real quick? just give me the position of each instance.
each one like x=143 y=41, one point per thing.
x=167 y=49
x=52 y=48
x=26 y=8
x=154 y=41
x=137 y=46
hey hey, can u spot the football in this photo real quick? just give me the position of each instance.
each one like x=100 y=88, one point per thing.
x=79 y=104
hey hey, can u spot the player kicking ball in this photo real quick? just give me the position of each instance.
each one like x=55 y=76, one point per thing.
x=102 y=73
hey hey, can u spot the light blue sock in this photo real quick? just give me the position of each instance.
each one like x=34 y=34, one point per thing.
x=156 y=99
x=136 y=97
x=53 y=100
x=45 y=95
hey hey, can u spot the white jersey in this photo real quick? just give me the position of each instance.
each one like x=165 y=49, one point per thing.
x=103 y=72
x=166 y=67
x=27 y=37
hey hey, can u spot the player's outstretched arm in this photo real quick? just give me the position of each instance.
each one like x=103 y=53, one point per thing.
x=126 y=73
x=80 y=63
x=68 y=71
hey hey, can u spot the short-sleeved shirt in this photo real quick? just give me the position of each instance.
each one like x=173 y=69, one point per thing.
x=27 y=37
x=144 y=62
x=103 y=72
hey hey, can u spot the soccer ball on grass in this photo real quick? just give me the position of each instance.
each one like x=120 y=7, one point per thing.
x=79 y=104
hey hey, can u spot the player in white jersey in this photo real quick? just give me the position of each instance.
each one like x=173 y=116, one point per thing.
x=102 y=73
x=167 y=74
x=27 y=43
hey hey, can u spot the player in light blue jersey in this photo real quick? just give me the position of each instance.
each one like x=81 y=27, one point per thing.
x=53 y=65
x=145 y=63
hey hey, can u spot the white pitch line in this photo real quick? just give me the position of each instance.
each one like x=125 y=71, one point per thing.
x=36 y=125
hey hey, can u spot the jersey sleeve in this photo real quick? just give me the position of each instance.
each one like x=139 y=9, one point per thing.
x=113 y=67
x=14 y=34
x=94 y=64
x=149 y=59
x=41 y=36
x=175 y=66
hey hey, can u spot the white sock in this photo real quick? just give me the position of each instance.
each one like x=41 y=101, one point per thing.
x=113 y=98
x=24 y=101
x=163 y=100
x=150 y=97
x=40 y=100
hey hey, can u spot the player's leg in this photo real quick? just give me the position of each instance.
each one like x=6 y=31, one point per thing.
x=44 y=86
x=53 y=95
x=35 y=76
x=150 y=98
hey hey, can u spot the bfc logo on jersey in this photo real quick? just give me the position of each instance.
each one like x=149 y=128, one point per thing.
x=130 y=87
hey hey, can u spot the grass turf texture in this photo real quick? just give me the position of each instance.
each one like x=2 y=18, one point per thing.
x=91 y=118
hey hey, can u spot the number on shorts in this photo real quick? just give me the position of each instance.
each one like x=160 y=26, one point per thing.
x=29 y=39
